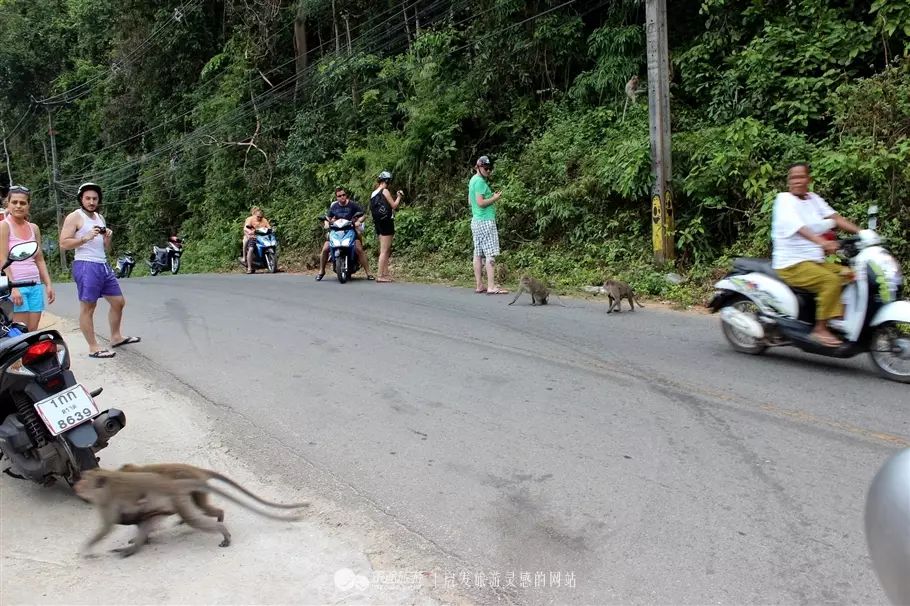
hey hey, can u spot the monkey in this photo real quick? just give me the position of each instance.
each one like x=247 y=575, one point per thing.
x=632 y=88
x=537 y=289
x=631 y=94
x=617 y=290
x=540 y=293
x=143 y=499
x=181 y=471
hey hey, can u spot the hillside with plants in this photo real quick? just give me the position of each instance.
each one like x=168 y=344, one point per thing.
x=188 y=112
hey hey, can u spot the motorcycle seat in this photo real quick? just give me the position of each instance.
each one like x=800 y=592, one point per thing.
x=763 y=266
x=754 y=264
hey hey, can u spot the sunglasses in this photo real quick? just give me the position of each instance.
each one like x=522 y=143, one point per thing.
x=19 y=189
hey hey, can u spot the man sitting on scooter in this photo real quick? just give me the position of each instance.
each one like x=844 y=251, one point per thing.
x=255 y=221
x=344 y=208
x=799 y=251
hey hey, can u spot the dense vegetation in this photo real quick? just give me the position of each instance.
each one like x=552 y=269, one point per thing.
x=190 y=111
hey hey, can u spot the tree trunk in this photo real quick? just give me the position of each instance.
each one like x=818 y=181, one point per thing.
x=300 y=48
x=407 y=26
x=336 y=29
x=347 y=28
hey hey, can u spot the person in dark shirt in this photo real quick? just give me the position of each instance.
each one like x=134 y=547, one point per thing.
x=344 y=208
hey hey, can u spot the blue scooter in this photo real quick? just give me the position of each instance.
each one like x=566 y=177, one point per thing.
x=343 y=247
x=265 y=250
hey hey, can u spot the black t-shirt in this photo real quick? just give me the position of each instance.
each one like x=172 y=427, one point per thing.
x=344 y=212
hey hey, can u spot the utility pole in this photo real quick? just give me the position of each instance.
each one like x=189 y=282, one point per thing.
x=662 y=223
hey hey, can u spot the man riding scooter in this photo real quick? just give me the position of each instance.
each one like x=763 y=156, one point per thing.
x=344 y=208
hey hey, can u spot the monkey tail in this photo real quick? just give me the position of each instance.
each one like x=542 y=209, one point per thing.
x=230 y=497
x=217 y=476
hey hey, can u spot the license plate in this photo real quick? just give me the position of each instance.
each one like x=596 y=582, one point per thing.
x=66 y=409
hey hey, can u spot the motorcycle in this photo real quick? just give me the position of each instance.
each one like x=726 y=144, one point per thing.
x=52 y=427
x=125 y=265
x=758 y=310
x=342 y=247
x=265 y=250
x=166 y=257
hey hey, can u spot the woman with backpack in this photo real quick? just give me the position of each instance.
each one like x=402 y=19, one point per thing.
x=383 y=207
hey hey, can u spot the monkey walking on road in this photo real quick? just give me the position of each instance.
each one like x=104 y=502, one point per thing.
x=182 y=471
x=539 y=291
x=617 y=290
x=144 y=499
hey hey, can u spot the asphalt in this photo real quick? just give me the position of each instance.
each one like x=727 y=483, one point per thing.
x=565 y=455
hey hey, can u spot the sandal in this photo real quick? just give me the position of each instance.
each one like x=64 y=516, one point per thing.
x=826 y=341
x=319 y=277
x=371 y=277
x=127 y=341
x=498 y=291
x=103 y=353
x=480 y=291
x=384 y=280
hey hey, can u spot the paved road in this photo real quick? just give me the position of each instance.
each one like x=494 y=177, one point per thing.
x=635 y=452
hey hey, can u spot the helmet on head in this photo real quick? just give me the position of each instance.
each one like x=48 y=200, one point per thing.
x=484 y=161
x=384 y=176
x=88 y=186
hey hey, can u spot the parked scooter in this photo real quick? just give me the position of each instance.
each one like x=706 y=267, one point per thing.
x=265 y=250
x=759 y=310
x=125 y=265
x=167 y=257
x=343 y=247
x=51 y=425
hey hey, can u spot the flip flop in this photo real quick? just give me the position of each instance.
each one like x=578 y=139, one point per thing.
x=103 y=353
x=371 y=277
x=479 y=291
x=319 y=277
x=826 y=341
x=384 y=280
x=127 y=341
x=498 y=291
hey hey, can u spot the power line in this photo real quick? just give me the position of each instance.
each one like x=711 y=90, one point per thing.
x=86 y=87
x=274 y=92
x=260 y=102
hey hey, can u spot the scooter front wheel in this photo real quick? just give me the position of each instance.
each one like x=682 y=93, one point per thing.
x=739 y=340
x=890 y=351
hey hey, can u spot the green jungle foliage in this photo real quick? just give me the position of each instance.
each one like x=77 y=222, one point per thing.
x=189 y=112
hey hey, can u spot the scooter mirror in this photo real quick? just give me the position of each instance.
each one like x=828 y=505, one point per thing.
x=873 y=216
x=21 y=252
x=888 y=526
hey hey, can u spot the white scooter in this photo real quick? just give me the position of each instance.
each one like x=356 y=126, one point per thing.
x=758 y=310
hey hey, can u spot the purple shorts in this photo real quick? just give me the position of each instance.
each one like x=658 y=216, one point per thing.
x=95 y=280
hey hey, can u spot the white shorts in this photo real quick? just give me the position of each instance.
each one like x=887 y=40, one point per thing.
x=486 y=238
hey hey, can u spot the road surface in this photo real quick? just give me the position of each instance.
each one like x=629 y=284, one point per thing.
x=544 y=454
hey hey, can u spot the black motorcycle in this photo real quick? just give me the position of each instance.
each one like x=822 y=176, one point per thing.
x=125 y=265
x=167 y=257
x=52 y=426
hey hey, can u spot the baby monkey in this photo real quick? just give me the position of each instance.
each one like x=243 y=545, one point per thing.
x=538 y=290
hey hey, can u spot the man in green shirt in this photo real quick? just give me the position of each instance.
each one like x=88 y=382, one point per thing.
x=483 y=226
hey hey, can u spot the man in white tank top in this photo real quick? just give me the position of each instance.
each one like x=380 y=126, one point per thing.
x=85 y=231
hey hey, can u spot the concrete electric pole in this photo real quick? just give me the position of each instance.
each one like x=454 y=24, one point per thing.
x=662 y=224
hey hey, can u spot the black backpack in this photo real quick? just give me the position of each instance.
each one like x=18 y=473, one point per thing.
x=379 y=206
